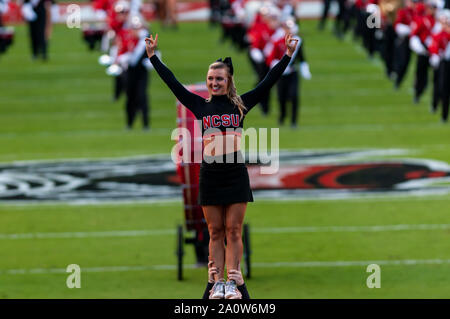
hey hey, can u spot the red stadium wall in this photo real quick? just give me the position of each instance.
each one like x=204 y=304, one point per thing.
x=187 y=11
x=148 y=10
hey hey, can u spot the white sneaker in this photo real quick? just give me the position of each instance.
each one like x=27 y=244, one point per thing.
x=218 y=290
x=231 y=291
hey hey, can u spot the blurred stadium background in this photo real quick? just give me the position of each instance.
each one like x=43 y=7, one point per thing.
x=306 y=246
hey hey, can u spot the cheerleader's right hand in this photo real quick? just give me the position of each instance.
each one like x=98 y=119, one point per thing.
x=150 y=45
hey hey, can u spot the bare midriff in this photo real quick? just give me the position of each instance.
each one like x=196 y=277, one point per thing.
x=221 y=144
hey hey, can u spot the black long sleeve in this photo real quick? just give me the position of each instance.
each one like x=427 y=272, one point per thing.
x=187 y=98
x=300 y=54
x=254 y=96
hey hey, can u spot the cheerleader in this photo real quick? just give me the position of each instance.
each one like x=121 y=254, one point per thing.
x=224 y=186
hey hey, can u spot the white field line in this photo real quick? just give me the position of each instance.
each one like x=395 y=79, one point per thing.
x=165 y=131
x=268 y=230
x=300 y=264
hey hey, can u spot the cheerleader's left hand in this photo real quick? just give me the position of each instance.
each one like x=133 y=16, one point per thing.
x=291 y=44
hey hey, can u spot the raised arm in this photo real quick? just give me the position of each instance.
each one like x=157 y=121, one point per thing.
x=187 y=98
x=254 y=96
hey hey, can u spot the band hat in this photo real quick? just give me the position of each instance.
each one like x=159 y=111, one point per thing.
x=446 y=15
x=432 y=3
x=136 y=22
x=122 y=6
x=291 y=25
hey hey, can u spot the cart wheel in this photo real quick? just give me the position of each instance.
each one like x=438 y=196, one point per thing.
x=180 y=251
x=247 y=250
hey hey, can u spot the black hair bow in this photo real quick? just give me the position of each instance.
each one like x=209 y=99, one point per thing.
x=228 y=62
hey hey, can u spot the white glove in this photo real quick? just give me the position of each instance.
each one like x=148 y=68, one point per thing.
x=147 y=64
x=434 y=61
x=123 y=60
x=274 y=62
x=100 y=15
x=417 y=46
x=402 y=30
x=257 y=55
x=304 y=71
x=447 y=52
x=105 y=60
x=114 y=70
x=28 y=12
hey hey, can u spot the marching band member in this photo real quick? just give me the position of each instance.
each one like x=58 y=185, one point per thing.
x=266 y=21
x=402 y=52
x=440 y=60
x=388 y=12
x=116 y=21
x=132 y=59
x=38 y=15
x=288 y=85
x=419 y=41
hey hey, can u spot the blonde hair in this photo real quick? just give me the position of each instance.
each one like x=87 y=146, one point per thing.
x=232 y=92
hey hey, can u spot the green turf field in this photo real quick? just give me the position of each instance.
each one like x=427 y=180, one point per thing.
x=62 y=109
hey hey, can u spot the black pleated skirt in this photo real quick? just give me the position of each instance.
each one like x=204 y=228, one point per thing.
x=224 y=183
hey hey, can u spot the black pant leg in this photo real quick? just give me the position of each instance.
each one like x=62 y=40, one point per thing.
x=326 y=8
x=41 y=39
x=340 y=18
x=436 y=87
x=369 y=40
x=34 y=36
x=388 y=49
x=402 y=58
x=445 y=90
x=137 y=101
x=282 y=88
x=120 y=85
x=294 y=82
x=263 y=69
x=142 y=99
x=421 y=75
x=130 y=104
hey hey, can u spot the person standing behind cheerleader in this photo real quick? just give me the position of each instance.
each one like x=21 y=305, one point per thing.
x=421 y=32
x=132 y=57
x=440 y=60
x=288 y=85
x=38 y=15
x=3 y=10
x=117 y=16
x=167 y=12
x=437 y=70
x=266 y=21
x=402 y=52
